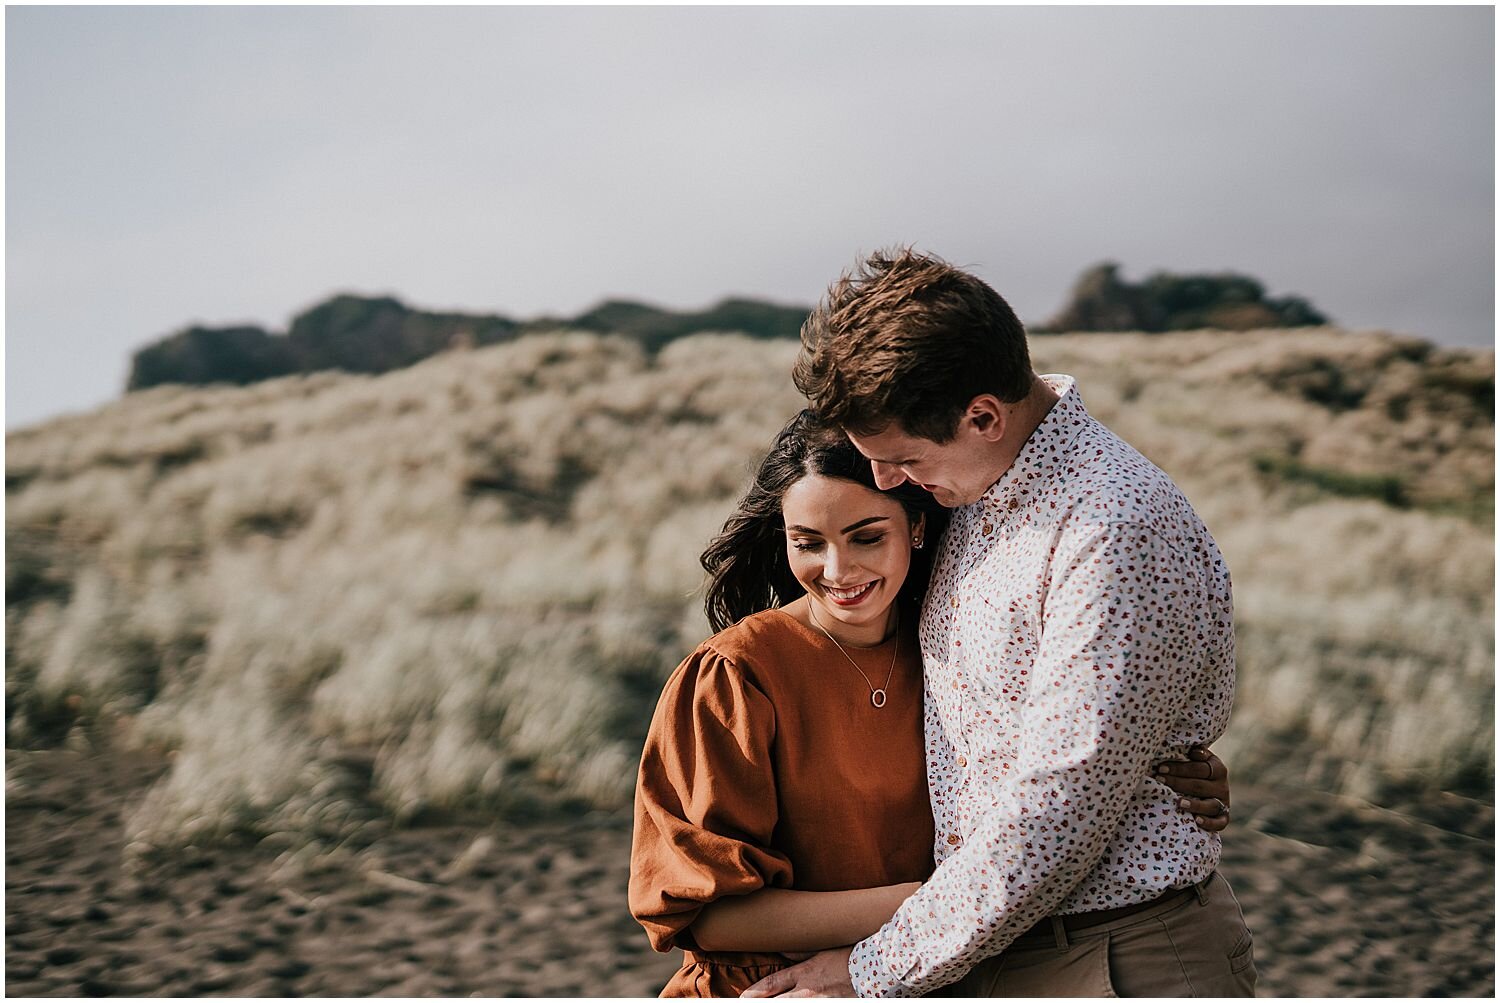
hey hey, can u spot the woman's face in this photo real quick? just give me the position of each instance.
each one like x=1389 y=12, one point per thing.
x=850 y=548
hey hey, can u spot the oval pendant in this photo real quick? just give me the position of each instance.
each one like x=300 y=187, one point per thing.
x=877 y=697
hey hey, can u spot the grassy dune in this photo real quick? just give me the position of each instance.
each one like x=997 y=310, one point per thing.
x=341 y=602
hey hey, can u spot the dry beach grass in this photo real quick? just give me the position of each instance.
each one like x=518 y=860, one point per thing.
x=336 y=611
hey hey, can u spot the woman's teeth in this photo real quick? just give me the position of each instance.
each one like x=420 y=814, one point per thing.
x=844 y=595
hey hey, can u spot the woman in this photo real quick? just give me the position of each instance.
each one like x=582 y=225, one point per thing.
x=782 y=800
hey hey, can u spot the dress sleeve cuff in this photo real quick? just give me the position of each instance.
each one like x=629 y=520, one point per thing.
x=870 y=975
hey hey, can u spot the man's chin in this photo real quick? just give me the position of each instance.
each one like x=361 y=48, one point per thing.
x=948 y=498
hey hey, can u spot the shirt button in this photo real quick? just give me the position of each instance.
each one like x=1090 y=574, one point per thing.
x=963 y=761
x=953 y=602
x=1013 y=504
x=953 y=839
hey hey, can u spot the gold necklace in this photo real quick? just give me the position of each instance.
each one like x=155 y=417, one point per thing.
x=877 y=696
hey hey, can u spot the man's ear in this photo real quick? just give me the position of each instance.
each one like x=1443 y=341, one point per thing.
x=988 y=415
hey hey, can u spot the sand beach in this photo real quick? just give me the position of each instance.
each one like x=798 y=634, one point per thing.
x=1344 y=899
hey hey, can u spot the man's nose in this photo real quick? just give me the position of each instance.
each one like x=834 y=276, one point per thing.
x=887 y=475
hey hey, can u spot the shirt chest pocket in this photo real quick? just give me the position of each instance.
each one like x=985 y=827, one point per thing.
x=1000 y=648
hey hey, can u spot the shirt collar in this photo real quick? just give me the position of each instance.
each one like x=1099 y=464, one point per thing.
x=1043 y=448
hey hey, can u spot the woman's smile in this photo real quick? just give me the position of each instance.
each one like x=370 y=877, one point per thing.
x=851 y=596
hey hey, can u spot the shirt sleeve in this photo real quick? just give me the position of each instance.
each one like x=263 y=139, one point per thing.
x=1106 y=685
x=705 y=802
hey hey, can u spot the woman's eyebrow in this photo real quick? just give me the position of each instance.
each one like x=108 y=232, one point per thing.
x=846 y=530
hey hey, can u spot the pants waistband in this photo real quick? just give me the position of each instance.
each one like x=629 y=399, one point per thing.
x=1057 y=929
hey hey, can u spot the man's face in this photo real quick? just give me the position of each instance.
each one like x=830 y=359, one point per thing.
x=954 y=472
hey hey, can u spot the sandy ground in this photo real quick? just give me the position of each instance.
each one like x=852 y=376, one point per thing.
x=1344 y=900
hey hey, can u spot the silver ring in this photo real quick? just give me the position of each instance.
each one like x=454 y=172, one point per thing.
x=1223 y=808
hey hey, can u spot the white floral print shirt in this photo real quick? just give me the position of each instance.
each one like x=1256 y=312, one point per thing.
x=1078 y=629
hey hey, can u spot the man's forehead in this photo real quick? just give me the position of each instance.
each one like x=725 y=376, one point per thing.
x=890 y=445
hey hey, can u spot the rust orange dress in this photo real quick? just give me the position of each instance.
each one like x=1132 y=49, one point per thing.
x=767 y=766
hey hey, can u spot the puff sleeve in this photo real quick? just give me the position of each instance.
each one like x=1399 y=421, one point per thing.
x=705 y=800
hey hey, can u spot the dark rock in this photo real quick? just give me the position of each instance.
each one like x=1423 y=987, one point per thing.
x=361 y=334
x=655 y=327
x=1102 y=301
x=201 y=355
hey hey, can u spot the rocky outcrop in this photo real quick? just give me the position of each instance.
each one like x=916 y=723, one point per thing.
x=364 y=334
x=361 y=334
x=201 y=355
x=1103 y=301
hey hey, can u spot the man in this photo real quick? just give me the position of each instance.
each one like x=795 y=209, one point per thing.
x=1077 y=629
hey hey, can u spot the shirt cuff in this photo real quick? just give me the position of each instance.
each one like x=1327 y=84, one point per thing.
x=870 y=976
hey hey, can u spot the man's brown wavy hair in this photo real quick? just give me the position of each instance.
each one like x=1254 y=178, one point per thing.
x=910 y=340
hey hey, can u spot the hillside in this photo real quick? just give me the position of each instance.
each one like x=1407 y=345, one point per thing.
x=341 y=601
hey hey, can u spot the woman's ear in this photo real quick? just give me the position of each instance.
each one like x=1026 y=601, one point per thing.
x=919 y=532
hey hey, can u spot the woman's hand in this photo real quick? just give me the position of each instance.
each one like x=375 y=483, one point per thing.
x=1203 y=782
x=823 y=974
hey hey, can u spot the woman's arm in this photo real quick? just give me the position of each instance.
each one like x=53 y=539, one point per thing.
x=782 y=919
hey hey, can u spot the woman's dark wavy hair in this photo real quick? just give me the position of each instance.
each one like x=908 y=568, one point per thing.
x=746 y=563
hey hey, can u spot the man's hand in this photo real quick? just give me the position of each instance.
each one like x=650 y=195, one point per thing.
x=824 y=974
x=1204 y=784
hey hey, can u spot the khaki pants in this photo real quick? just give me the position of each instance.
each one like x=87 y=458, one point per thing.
x=1197 y=945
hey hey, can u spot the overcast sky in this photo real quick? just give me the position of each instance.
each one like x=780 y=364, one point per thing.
x=173 y=165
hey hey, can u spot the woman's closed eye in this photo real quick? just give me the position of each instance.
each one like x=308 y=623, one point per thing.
x=863 y=541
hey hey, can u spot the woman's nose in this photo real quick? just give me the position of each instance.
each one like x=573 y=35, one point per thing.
x=839 y=565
